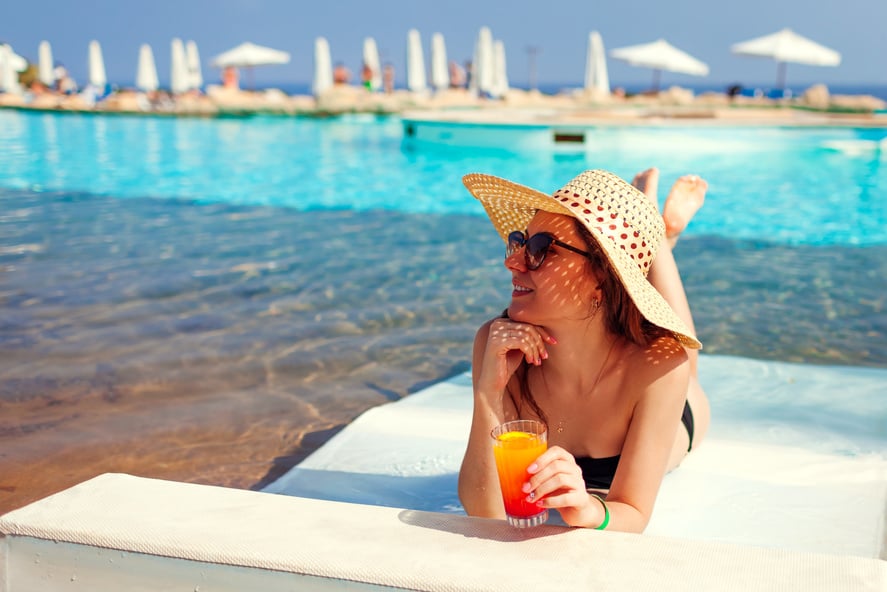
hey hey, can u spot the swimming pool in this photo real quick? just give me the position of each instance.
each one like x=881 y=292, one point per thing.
x=171 y=287
x=785 y=185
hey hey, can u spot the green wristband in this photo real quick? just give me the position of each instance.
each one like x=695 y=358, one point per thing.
x=606 y=511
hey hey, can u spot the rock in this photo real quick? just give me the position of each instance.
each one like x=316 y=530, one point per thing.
x=817 y=96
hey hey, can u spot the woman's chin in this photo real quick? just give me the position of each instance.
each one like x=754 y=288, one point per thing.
x=518 y=313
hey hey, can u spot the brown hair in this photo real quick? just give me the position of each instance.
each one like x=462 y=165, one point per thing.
x=621 y=316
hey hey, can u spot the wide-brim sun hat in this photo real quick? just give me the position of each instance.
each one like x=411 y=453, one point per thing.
x=626 y=224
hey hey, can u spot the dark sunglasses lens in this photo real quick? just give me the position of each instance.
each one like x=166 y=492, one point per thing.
x=537 y=247
x=515 y=241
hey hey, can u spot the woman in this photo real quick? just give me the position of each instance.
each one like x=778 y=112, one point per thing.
x=597 y=342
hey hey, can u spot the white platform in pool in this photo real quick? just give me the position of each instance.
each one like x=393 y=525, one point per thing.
x=795 y=458
x=788 y=493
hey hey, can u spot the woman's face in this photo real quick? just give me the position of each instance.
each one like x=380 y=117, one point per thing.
x=563 y=287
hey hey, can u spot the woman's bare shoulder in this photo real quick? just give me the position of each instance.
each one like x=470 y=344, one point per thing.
x=661 y=358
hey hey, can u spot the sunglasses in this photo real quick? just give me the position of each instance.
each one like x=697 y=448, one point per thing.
x=536 y=247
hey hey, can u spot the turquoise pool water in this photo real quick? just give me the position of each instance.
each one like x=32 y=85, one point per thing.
x=785 y=185
x=209 y=300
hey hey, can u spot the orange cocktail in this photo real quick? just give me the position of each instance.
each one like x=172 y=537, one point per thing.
x=516 y=444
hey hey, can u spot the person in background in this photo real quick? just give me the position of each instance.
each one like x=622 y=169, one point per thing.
x=388 y=78
x=341 y=74
x=366 y=76
x=457 y=75
x=598 y=343
x=230 y=78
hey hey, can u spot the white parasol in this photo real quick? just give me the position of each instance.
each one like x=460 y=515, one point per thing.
x=499 y=86
x=249 y=55
x=146 y=75
x=192 y=59
x=483 y=63
x=10 y=64
x=371 y=59
x=97 y=76
x=179 y=81
x=596 y=76
x=323 y=67
x=660 y=55
x=416 y=78
x=45 y=69
x=16 y=62
x=440 y=76
x=787 y=46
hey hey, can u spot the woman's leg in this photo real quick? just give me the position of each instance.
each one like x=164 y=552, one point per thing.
x=684 y=199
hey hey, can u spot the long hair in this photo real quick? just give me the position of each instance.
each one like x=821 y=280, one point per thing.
x=621 y=316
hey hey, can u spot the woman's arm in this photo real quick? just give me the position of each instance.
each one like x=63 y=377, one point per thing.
x=659 y=378
x=662 y=387
x=499 y=348
x=478 y=483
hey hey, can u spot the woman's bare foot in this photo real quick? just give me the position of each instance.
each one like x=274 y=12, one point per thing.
x=648 y=182
x=683 y=201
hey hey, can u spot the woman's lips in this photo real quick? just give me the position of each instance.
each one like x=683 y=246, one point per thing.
x=519 y=290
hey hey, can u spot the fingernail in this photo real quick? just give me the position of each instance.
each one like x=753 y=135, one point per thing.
x=552 y=340
x=532 y=468
x=545 y=355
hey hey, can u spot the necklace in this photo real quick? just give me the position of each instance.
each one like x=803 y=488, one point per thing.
x=560 y=424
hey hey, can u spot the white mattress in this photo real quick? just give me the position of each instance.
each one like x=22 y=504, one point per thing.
x=795 y=459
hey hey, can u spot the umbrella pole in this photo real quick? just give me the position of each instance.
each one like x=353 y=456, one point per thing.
x=780 y=75
x=657 y=74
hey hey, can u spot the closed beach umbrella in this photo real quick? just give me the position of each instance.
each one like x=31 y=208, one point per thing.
x=192 y=58
x=483 y=64
x=500 y=72
x=371 y=59
x=96 y=65
x=15 y=61
x=596 y=76
x=660 y=55
x=179 y=81
x=787 y=46
x=440 y=76
x=146 y=75
x=10 y=63
x=416 y=78
x=323 y=66
x=45 y=70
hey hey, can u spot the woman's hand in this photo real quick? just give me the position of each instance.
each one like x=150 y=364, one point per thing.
x=509 y=342
x=556 y=480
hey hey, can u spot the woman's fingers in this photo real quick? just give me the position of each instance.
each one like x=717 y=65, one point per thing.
x=506 y=336
x=555 y=479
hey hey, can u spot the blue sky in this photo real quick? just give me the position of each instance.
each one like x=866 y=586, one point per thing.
x=559 y=28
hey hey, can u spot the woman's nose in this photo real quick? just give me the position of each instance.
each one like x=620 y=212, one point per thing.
x=516 y=261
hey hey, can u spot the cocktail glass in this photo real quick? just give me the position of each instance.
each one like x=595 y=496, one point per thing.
x=516 y=444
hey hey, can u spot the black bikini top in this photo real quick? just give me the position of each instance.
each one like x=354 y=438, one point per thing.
x=598 y=472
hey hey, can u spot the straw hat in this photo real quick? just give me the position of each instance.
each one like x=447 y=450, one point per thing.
x=626 y=224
